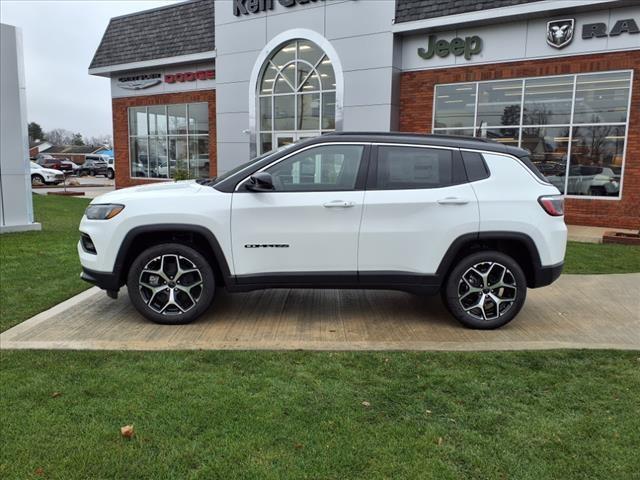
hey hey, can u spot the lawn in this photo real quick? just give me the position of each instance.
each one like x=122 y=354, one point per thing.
x=40 y=269
x=537 y=415
x=525 y=415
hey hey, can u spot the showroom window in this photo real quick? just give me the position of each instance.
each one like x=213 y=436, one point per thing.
x=296 y=96
x=169 y=141
x=575 y=126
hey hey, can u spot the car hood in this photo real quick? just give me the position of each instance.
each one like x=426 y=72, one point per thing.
x=152 y=190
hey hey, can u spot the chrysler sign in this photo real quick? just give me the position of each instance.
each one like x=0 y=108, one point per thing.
x=246 y=7
x=139 y=81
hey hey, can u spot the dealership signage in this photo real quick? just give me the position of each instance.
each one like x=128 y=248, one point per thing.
x=468 y=47
x=139 y=81
x=182 y=77
x=560 y=32
x=246 y=7
x=597 y=30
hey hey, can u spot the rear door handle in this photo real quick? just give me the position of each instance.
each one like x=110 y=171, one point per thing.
x=339 y=204
x=453 y=201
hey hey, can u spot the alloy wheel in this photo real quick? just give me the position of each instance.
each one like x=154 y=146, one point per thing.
x=487 y=290
x=171 y=284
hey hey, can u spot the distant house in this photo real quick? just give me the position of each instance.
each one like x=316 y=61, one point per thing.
x=38 y=146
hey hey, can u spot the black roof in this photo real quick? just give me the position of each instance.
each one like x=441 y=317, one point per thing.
x=410 y=10
x=180 y=29
x=455 y=141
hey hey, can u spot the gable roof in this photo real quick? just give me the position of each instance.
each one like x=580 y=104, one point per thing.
x=181 y=29
x=411 y=10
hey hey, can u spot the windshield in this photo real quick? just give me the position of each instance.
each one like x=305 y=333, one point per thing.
x=241 y=167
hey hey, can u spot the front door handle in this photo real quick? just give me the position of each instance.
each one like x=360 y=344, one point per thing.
x=339 y=204
x=453 y=201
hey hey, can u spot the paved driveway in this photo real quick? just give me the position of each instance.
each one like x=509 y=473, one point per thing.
x=578 y=311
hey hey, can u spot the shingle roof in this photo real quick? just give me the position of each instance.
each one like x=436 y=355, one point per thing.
x=410 y=10
x=72 y=149
x=180 y=29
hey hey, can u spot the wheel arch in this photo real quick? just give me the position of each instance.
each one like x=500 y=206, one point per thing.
x=202 y=239
x=517 y=245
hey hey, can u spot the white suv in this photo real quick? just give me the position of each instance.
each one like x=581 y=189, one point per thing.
x=471 y=219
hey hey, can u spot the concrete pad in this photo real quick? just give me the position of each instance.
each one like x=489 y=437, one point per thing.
x=581 y=233
x=578 y=311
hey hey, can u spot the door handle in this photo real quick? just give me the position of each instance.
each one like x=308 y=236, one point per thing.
x=453 y=201
x=338 y=204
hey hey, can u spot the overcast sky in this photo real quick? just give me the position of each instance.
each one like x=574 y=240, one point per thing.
x=59 y=40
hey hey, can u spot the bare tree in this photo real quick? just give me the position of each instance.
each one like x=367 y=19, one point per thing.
x=60 y=136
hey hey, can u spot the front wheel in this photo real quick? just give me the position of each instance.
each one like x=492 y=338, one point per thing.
x=171 y=284
x=37 y=179
x=110 y=174
x=486 y=290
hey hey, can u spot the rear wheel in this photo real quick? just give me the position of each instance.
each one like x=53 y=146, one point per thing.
x=171 y=284
x=486 y=290
x=110 y=174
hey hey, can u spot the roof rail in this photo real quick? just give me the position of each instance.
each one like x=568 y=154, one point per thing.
x=412 y=134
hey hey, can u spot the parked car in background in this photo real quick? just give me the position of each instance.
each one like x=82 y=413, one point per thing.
x=94 y=165
x=62 y=164
x=111 y=168
x=45 y=176
x=590 y=180
x=70 y=167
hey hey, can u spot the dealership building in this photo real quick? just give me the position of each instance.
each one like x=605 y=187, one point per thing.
x=202 y=86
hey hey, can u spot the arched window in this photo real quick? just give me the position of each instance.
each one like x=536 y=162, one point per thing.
x=297 y=95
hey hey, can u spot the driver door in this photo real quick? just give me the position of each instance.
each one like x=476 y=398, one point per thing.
x=309 y=223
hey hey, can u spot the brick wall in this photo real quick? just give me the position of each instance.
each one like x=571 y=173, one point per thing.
x=120 y=109
x=416 y=114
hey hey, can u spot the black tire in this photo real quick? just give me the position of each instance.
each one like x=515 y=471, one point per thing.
x=37 y=179
x=92 y=173
x=460 y=293
x=183 y=309
x=110 y=174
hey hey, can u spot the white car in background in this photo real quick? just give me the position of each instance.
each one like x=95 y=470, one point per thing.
x=590 y=180
x=45 y=176
x=111 y=168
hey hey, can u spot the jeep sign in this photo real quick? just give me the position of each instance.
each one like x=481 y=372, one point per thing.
x=442 y=48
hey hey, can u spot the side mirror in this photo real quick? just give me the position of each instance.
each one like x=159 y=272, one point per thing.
x=260 y=182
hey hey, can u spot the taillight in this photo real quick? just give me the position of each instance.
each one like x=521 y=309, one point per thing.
x=552 y=204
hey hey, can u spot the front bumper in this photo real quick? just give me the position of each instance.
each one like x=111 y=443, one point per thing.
x=105 y=280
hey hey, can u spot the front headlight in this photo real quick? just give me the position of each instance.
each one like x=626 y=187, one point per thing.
x=103 y=211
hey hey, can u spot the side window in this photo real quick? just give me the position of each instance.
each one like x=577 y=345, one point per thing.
x=323 y=168
x=475 y=166
x=413 y=167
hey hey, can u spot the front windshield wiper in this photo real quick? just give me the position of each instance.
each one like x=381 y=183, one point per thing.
x=208 y=182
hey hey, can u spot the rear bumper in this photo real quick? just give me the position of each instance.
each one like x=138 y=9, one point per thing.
x=544 y=276
x=105 y=280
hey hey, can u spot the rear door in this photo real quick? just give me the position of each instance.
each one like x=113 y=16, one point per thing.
x=309 y=223
x=417 y=203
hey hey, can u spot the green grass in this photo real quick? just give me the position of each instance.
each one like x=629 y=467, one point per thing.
x=525 y=415
x=40 y=269
x=586 y=258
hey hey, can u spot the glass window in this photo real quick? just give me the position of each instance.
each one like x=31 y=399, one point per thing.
x=596 y=160
x=499 y=103
x=325 y=168
x=297 y=97
x=602 y=98
x=168 y=141
x=177 y=119
x=413 y=167
x=547 y=101
x=138 y=121
x=157 y=120
x=549 y=148
x=455 y=105
x=508 y=136
x=567 y=123
x=198 y=118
